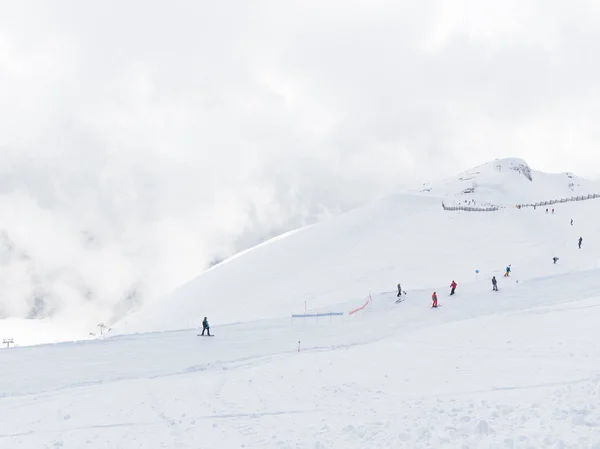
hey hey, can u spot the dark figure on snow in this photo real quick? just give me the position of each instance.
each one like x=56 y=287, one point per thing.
x=453 y=288
x=546 y=210
x=552 y=210
x=494 y=284
x=434 y=299
x=205 y=326
x=555 y=259
x=399 y=291
x=571 y=222
x=580 y=240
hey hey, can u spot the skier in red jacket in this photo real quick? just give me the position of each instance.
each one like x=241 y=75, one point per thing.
x=453 y=287
x=434 y=299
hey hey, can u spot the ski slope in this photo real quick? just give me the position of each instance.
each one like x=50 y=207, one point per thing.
x=406 y=238
x=517 y=368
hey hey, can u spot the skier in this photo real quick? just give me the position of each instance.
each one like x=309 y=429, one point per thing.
x=571 y=222
x=580 y=240
x=453 y=287
x=552 y=210
x=507 y=274
x=546 y=210
x=434 y=299
x=205 y=326
x=400 y=294
x=494 y=284
x=555 y=259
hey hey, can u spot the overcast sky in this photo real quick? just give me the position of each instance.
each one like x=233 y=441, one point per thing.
x=178 y=132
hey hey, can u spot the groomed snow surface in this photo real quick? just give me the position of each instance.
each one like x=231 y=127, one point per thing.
x=518 y=368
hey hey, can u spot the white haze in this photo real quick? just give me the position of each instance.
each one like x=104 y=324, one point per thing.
x=140 y=141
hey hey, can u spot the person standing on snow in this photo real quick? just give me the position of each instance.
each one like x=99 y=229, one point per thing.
x=580 y=240
x=555 y=259
x=399 y=291
x=571 y=222
x=507 y=274
x=434 y=299
x=205 y=326
x=494 y=284
x=453 y=287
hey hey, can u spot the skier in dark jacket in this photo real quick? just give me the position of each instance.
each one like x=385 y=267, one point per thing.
x=580 y=240
x=205 y=326
x=494 y=284
x=555 y=259
x=399 y=291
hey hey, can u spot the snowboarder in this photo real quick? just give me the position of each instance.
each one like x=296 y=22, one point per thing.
x=507 y=274
x=205 y=326
x=555 y=259
x=580 y=240
x=434 y=299
x=453 y=287
x=494 y=284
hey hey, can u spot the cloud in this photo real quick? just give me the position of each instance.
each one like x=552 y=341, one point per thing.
x=140 y=141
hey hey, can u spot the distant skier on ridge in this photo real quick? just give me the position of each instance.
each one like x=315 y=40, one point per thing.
x=453 y=288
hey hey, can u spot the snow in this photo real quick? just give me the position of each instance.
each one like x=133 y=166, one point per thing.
x=405 y=238
x=516 y=368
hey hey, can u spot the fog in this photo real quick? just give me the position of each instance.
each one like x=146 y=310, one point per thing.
x=143 y=141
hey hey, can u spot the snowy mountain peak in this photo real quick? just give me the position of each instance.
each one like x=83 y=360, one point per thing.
x=514 y=164
x=507 y=182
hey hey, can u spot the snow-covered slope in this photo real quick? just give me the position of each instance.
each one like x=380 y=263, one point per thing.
x=517 y=368
x=405 y=238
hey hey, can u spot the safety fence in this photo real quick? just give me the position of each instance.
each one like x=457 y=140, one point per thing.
x=358 y=309
x=331 y=314
x=471 y=208
x=519 y=206
x=316 y=315
x=590 y=196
